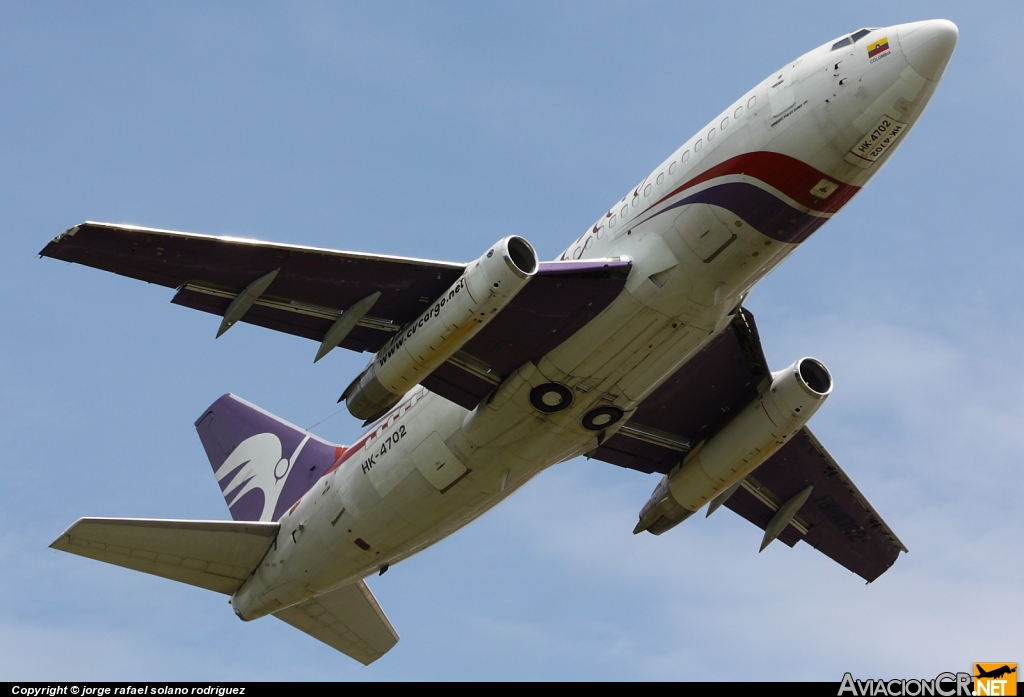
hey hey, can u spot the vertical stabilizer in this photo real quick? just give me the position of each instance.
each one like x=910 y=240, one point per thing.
x=262 y=463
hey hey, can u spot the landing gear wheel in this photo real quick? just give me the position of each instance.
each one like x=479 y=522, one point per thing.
x=551 y=397
x=601 y=418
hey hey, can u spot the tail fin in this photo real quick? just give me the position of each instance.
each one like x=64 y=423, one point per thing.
x=263 y=464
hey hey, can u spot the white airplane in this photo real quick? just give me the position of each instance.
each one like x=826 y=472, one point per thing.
x=632 y=348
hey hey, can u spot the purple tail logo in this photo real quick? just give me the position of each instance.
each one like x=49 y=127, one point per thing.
x=257 y=464
x=262 y=463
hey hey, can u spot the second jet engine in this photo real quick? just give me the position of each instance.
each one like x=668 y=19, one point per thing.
x=743 y=444
x=487 y=285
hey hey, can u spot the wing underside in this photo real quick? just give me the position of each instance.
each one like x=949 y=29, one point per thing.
x=837 y=519
x=311 y=289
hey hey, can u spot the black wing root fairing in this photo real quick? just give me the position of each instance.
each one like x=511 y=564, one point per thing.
x=561 y=299
x=694 y=403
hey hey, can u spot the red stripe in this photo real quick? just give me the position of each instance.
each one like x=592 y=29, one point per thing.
x=344 y=454
x=787 y=174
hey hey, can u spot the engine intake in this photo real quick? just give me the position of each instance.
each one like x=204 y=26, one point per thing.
x=483 y=290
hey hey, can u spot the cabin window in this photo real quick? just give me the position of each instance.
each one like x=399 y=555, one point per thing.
x=839 y=44
x=647 y=190
x=686 y=156
x=725 y=123
x=624 y=211
x=696 y=146
x=613 y=221
x=661 y=178
x=751 y=102
x=711 y=135
x=738 y=113
x=672 y=169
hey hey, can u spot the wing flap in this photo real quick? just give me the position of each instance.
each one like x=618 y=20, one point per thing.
x=348 y=619
x=839 y=520
x=289 y=317
x=216 y=555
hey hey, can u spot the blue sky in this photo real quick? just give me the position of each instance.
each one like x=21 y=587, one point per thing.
x=431 y=130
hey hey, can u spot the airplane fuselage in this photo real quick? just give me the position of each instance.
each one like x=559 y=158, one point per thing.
x=701 y=230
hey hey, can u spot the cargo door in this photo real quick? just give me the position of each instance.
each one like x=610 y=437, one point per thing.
x=781 y=94
x=437 y=463
x=704 y=232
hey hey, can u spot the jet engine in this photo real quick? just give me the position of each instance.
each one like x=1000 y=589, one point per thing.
x=753 y=435
x=487 y=286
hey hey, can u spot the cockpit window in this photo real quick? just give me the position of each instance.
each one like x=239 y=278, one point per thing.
x=858 y=35
x=840 y=44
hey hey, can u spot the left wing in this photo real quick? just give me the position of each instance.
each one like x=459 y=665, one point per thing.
x=837 y=520
x=700 y=399
x=694 y=403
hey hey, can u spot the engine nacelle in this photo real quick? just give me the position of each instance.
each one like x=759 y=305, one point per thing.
x=487 y=286
x=754 y=435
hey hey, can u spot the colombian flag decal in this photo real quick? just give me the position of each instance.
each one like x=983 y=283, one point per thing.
x=880 y=46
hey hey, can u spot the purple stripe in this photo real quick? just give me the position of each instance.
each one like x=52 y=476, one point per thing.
x=766 y=212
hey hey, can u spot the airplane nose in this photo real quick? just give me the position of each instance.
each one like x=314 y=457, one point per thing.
x=928 y=45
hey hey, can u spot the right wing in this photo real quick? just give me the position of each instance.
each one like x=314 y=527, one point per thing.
x=214 y=554
x=313 y=288
x=310 y=292
x=347 y=619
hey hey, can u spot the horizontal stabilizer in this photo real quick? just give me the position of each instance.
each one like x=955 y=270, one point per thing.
x=211 y=554
x=347 y=619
